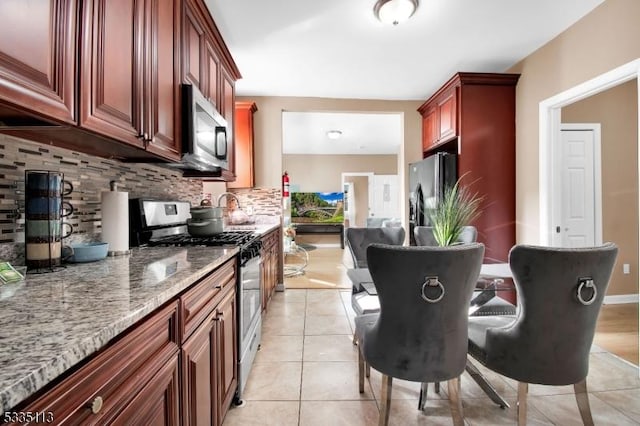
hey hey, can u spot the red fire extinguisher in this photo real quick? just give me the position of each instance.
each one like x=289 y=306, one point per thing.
x=285 y=184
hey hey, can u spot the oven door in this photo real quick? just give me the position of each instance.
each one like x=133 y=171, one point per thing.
x=250 y=299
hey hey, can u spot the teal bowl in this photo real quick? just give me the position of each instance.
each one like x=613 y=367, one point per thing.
x=85 y=252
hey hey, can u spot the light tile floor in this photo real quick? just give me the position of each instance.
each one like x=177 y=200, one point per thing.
x=306 y=374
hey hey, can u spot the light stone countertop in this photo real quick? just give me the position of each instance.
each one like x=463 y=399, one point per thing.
x=50 y=322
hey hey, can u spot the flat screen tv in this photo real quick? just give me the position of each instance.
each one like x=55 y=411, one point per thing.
x=317 y=207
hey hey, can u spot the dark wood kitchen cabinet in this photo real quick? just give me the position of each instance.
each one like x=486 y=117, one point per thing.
x=207 y=64
x=226 y=352
x=475 y=119
x=270 y=264
x=244 y=145
x=138 y=369
x=209 y=351
x=129 y=64
x=37 y=56
x=176 y=366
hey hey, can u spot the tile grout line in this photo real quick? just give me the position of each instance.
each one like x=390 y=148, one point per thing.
x=304 y=327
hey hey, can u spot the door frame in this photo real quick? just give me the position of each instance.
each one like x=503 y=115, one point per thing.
x=549 y=129
x=369 y=175
x=597 y=180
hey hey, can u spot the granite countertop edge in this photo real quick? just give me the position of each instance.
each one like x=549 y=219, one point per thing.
x=14 y=393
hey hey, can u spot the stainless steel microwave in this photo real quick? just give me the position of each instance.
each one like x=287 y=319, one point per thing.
x=204 y=134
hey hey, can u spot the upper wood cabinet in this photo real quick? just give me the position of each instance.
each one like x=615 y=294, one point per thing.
x=429 y=128
x=207 y=64
x=129 y=63
x=439 y=118
x=162 y=75
x=475 y=119
x=37 y=56
x=244 y=145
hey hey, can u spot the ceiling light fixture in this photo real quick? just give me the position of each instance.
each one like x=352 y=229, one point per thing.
x=334 y=134
x=394 y=11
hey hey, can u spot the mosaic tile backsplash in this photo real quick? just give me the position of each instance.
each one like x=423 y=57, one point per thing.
x=89 y=175
x=263 y=201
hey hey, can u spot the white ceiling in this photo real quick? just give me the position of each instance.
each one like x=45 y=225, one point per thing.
x=306 y=133
x=337 y=48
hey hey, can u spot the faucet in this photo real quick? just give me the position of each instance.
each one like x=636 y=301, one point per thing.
x=229 y=194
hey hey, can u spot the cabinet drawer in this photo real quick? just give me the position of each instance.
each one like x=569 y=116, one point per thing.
x=99 y=390
x=197 y=302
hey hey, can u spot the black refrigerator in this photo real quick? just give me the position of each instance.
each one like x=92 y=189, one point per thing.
x=427 y=180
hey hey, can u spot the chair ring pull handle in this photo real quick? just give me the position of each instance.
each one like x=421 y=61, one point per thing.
x=432 y=282
x=587 y=283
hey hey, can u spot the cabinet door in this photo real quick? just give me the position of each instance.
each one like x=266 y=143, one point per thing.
x=212 y=69
x=227 y=352
x=198 y=372
x=448 y=113
x=193 y=48
x=158 y=402
x=227 y=109
x=111 y=98
x=429 y=129
x=162 y=73
x=243 y=145
x=37 y=56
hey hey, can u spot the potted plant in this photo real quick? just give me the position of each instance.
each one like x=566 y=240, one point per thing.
x=457 y=208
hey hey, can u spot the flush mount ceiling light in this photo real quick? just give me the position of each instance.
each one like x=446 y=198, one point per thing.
x=394 y=11
x=334 y=134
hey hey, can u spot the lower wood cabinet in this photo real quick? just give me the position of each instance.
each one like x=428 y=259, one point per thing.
x=158 y=402
x=112 y=381
x=210 y=347
x=270 y=265
x=178 y=366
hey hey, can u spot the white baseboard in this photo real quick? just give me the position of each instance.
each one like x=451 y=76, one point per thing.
x=620 y=298
x=324 y=245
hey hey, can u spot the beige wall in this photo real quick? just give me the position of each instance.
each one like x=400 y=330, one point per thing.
x=361 y=191
x=268 y=132
x=323 y=173
x=604 y=39
x=617 y=112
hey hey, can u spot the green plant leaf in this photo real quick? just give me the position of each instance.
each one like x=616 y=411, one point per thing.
x=457 y=208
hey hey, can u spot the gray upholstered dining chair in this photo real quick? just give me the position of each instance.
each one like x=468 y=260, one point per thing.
x=424 y=235
x=560 y=292
x=420 y=333
x=358 y=239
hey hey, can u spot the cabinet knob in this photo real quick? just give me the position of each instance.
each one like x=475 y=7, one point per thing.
x=96 y=405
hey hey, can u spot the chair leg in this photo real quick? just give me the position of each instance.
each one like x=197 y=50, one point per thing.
x=360 y=372
x=355 y=339
x=437 y=386
x=422 y=400
x=523 y=389
x=385 y=400
x=582 y=398
x=457 y=414
x=368 y=369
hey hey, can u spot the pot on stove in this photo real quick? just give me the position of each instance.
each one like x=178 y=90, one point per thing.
x=205 y=227
x=205 y=213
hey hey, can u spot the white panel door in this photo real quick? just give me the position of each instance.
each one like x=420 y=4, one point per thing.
x=386 y=199
x=577 y=226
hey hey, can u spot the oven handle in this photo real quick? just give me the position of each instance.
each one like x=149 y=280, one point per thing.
x=249 y=262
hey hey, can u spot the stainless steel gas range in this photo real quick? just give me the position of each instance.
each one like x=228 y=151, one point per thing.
x=163 y=223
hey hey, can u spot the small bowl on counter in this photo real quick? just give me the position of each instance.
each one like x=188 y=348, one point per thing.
x=85 y=252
